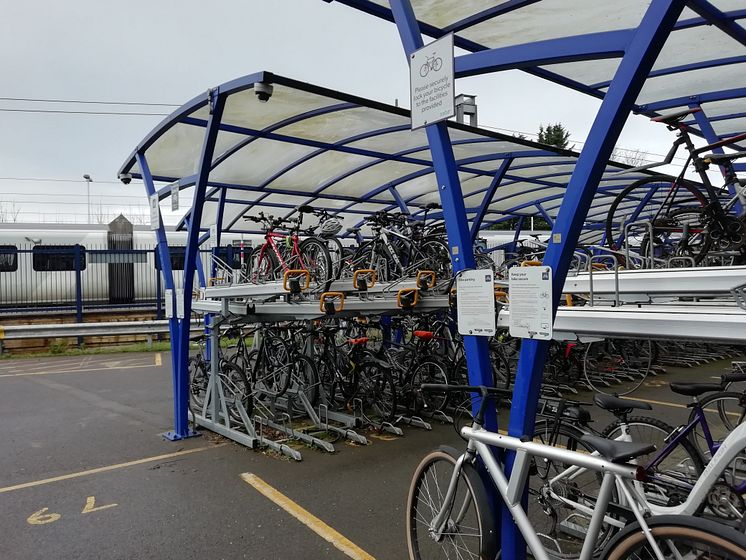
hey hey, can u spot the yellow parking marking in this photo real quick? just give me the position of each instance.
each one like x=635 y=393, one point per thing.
x=308 y=519
x=107 y=468
x=675 y=405
x=158 y=359
x=51 y=372
x=90 y=505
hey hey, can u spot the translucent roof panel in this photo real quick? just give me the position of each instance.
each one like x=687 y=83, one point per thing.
x=703 y=60
x=345 y=154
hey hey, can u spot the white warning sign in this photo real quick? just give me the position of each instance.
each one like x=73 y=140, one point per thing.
x=431 y=73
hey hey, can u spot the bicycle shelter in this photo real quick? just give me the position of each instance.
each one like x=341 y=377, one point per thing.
x=309 y=145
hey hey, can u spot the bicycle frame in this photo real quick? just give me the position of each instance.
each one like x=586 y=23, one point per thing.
x=269 y=242
x=512 y=490
x=728 y=450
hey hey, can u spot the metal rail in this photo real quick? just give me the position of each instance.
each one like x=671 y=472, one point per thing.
x=64 y=330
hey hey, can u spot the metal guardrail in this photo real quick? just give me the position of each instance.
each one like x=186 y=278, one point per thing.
x=64 y=330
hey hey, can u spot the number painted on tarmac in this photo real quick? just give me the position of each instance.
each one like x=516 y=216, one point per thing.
x=42 y=518
x=90 y=505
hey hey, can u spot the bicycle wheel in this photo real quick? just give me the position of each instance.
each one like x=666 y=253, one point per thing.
x=336 y=255
x=428 y=371
x=262 y=266
x=617 y=367
x=436 y=257
x=469 y=530
x=236 y=389
x=198 y=381
x=678 y=537
x=303 y=379
x=316 y=260
x=723 y=411
x=671 y=480
x=560 y=525
x=270 y=367
x=640 y=202
x=376 y=389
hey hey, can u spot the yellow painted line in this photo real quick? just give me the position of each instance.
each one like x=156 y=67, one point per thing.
x=675 y=405
x=107 y=468
x=50 y=372
x=158 y=359
x=338 y=540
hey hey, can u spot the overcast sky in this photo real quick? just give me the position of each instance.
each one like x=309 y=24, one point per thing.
x=167 y=51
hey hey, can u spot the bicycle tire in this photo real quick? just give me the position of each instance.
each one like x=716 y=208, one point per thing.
x=607 y=357
x=700 y=538
x=425 y=498
x=678 y=470
x=316 y=260
x=303 y=379
x=236 y=386
x=198 y=381
x=724 y=411
x=437 y=258
x=263 y=266
x=561 y=527
x=270 y=368
x=428 y=371
x=377 y=391
x=612 y=236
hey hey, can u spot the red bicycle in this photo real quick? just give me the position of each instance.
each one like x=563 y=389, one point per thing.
x=285 y=251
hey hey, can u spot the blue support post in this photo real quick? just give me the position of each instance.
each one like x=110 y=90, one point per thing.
x=544 y=215
x=454 y=211
x=399 y=200
x=630 y=76
x=180 y=384
x=78 y=264
x=488 y=195
x=191 y=260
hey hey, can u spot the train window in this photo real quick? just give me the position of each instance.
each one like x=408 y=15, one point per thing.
x=178 y=256
x=55 y=258
x=230 y=255
x=8 y=258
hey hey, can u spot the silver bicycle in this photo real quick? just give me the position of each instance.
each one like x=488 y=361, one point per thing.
x=449 y=516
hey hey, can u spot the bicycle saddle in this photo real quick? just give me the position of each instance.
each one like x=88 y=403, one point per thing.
x=617 y=451
x=675 y=117
x=616 y=406
x=695 y=389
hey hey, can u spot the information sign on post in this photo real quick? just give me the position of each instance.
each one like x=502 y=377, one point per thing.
x=530 y=289
x=213 y=240
x=475 y=302
x=168 y=295
x=179 y=303
x=155 y=212
x=432 y=87
x=174 y=197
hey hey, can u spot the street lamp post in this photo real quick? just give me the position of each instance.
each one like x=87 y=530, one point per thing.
x=88 y=193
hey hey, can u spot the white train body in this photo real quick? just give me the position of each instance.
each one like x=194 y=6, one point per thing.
x=34 y=274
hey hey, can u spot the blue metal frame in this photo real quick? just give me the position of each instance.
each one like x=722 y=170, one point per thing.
x=181 y=420
x=490 y=193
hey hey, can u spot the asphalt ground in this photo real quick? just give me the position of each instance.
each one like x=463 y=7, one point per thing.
x=84 y=472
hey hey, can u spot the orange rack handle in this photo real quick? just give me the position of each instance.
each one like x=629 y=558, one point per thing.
x=367 y=272
x=531 y=263
x=294 y=273
x=501 y=295
x=332 y=296
x=428 y=274
x=403 y=293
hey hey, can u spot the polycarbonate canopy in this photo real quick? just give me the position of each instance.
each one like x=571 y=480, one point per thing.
x=352 y=156
x=703 y=62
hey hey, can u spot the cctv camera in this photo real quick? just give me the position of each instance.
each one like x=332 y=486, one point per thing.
x=263 y=91
x=126 y=178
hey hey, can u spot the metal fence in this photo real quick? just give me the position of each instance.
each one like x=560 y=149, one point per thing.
x=79 y=278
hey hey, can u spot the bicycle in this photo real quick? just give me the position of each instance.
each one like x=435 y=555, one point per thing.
x=270 y=260
x=449 y=515
x=691 y=226
x=236 y=386
x=433 y=63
